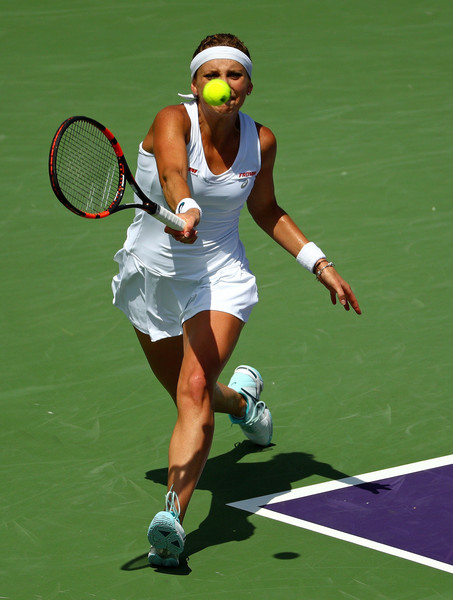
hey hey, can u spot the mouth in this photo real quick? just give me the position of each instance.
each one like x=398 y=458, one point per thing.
x=230 y=100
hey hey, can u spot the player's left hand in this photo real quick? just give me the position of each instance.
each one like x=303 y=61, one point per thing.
x=339 y=288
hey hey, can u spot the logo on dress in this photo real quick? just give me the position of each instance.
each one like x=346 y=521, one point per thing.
x=245 y=175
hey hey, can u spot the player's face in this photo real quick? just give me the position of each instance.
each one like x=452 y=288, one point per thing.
x=230 y=71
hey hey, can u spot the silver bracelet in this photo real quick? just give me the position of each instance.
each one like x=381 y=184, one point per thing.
x=329 y=264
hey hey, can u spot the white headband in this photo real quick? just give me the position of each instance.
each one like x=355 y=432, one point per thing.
x=221 y=52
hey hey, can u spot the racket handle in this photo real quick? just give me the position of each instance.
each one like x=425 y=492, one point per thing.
x=169 y=218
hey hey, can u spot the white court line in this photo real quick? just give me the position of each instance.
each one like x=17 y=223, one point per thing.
x=254 y=505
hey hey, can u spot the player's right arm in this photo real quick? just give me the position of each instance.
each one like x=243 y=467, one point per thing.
x=167 y=140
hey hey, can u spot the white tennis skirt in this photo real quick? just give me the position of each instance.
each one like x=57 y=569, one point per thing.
x=158 y=305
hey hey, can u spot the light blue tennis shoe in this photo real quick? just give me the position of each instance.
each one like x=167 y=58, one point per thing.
x=257 y=422
x=166 y=534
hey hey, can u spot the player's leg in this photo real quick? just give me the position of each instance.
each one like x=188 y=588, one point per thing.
x=188 y=367
x=165 y=358
x=209 y=339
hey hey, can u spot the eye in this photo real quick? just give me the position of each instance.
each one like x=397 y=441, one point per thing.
x=211 y=75
x=235 y=74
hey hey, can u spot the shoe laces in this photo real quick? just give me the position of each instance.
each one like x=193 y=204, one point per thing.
x=256 y=413
x=172 y=503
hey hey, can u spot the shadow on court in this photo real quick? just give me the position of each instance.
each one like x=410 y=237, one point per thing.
x=230 y=480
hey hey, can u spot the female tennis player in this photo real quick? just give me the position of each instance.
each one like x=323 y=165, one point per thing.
x=189 y=293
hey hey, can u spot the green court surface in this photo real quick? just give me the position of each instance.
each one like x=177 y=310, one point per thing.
x=359 y=94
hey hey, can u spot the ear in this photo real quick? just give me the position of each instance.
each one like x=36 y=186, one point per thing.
x=194 y=89
x=249 y=89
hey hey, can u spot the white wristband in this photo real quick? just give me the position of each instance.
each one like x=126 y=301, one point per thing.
x=309 y=256
x=186 y=204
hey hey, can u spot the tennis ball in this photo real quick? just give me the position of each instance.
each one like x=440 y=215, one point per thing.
x=216 y=92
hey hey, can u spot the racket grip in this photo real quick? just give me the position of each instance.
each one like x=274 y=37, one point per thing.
x=169 y=218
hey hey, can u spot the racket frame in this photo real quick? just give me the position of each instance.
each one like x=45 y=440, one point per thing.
x=125 y=174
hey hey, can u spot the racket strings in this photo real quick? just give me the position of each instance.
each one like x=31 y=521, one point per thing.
x=87 y=168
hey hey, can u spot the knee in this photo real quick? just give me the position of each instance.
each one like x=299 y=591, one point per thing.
x=195 y=389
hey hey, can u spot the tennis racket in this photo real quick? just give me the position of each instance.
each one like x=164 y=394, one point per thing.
x=88 y=173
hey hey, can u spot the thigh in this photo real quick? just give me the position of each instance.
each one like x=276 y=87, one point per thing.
x=231 y=290
x=209 y=339
x=164 y=358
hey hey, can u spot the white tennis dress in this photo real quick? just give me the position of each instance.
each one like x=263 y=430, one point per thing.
x=161 y=282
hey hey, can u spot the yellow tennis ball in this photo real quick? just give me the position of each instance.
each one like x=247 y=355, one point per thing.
x=216 y=92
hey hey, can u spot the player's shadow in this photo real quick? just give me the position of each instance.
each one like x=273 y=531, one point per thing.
x=229 y=479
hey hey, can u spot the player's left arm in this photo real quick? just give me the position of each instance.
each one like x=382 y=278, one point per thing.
x=276 y=222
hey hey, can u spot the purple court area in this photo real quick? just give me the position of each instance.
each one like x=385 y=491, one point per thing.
x=412 y=512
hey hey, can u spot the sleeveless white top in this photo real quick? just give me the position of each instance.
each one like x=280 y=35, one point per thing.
x=221 y=198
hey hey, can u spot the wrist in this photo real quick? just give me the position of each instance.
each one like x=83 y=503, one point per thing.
x=320 y=263
x=186 y=204
x=309 y=256
x=320 y=269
